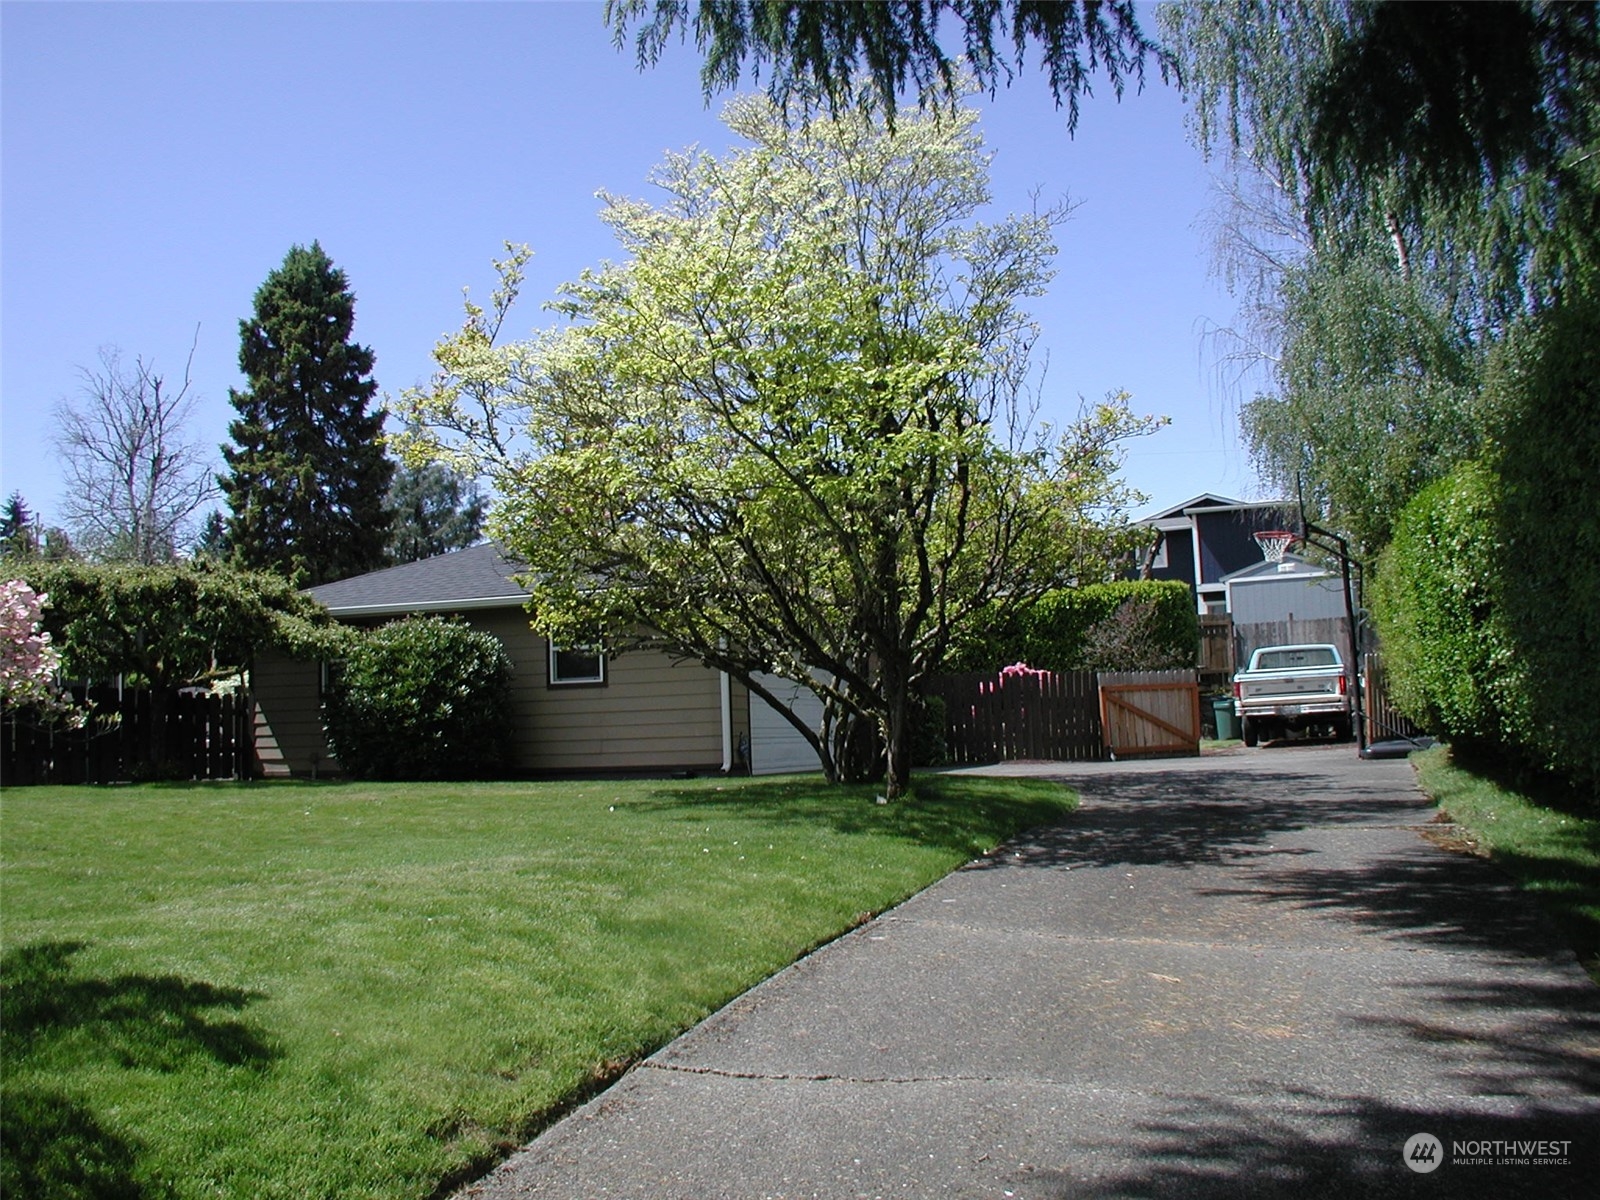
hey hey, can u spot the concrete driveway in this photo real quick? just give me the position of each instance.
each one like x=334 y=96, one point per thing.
x=1245 y=975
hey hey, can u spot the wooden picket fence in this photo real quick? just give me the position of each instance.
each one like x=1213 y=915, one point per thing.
x=204 y=736
x=1384 y=720
x=1075 y=716
x=1013 y=715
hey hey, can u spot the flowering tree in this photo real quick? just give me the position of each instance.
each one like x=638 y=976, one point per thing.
x=792 y=433
x=28 y=662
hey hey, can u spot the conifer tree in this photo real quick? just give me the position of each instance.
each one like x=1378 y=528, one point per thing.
x=307 y=474
x=436 y=509
x=19 y=532
x=213 y=540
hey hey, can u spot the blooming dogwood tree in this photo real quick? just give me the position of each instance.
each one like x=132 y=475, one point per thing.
x=792 y=432
x=28 y=662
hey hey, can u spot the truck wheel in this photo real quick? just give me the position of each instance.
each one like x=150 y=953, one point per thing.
x=1251 y=733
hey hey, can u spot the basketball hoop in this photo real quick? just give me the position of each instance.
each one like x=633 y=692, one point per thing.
x=1274 y=542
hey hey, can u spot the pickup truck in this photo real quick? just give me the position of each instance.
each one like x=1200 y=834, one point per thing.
x=1292 y=687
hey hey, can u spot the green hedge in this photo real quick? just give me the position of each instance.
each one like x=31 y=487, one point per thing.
x=1451 y=663
x=1131 y=625
x=1545 y=387
x=1488 y=599
x=421 y=698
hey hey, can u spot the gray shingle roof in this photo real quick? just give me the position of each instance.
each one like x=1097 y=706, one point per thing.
x=477 y=577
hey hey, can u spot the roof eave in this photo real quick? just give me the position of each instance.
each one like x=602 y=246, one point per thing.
x=1251 y=506
x=427 y=606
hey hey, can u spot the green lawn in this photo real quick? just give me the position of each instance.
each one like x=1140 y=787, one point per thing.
x=335 y=990
x=1551 y=846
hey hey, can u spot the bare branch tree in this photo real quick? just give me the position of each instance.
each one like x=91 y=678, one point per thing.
x=134 y=483
x=1258 y=235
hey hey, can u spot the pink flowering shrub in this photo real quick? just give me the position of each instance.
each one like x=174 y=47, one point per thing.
x=1019 y=670
x=28 y=662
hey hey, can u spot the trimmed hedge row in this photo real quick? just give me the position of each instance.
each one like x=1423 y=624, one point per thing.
x=1488 y=599
x=1546 y=388
x=1452 y=664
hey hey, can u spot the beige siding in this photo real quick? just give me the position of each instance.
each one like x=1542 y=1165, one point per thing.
x=289 y=716
x=651 y=715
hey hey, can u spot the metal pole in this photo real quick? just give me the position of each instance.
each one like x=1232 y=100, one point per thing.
x=1358 y=715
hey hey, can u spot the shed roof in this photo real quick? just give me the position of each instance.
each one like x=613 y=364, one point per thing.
x=478 y=577
x=1300 y=568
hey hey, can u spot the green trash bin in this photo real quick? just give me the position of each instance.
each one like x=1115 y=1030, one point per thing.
x=1227 y=722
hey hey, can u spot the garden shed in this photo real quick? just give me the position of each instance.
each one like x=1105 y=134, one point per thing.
x=1293 y=601
x=1292 y=590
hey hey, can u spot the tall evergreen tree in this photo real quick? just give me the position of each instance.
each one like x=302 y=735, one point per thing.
x=19 y=532
x=307 y=474
x=436 y=509
x=213 y=540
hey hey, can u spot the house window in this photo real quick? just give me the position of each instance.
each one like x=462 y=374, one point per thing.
x=577 y=665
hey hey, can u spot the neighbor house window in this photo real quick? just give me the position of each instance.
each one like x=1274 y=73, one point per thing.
x=579 y=664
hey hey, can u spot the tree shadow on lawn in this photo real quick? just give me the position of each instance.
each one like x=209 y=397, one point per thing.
x=1569 y=891
x=54 y=1145
x=54 y=1149
x=964 y=816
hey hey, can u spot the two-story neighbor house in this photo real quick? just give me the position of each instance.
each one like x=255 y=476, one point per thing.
x=1208 y=538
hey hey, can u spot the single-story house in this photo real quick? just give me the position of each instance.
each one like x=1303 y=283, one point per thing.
x=575 y=712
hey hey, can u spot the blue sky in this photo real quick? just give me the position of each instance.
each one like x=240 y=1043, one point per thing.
x=158 y=160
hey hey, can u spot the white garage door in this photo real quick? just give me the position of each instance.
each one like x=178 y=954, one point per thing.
x=776 y=747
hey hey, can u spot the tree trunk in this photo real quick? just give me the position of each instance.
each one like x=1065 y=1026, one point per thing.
x=897 y=774
x=857 y=753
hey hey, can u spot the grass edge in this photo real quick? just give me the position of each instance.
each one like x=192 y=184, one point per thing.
x=1441 y=777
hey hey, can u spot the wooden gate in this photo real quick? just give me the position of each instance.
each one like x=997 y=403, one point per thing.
x=1216 y=644
x=1150 y=712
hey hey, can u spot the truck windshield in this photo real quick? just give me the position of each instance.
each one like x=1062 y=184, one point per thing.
x=1296 y=656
